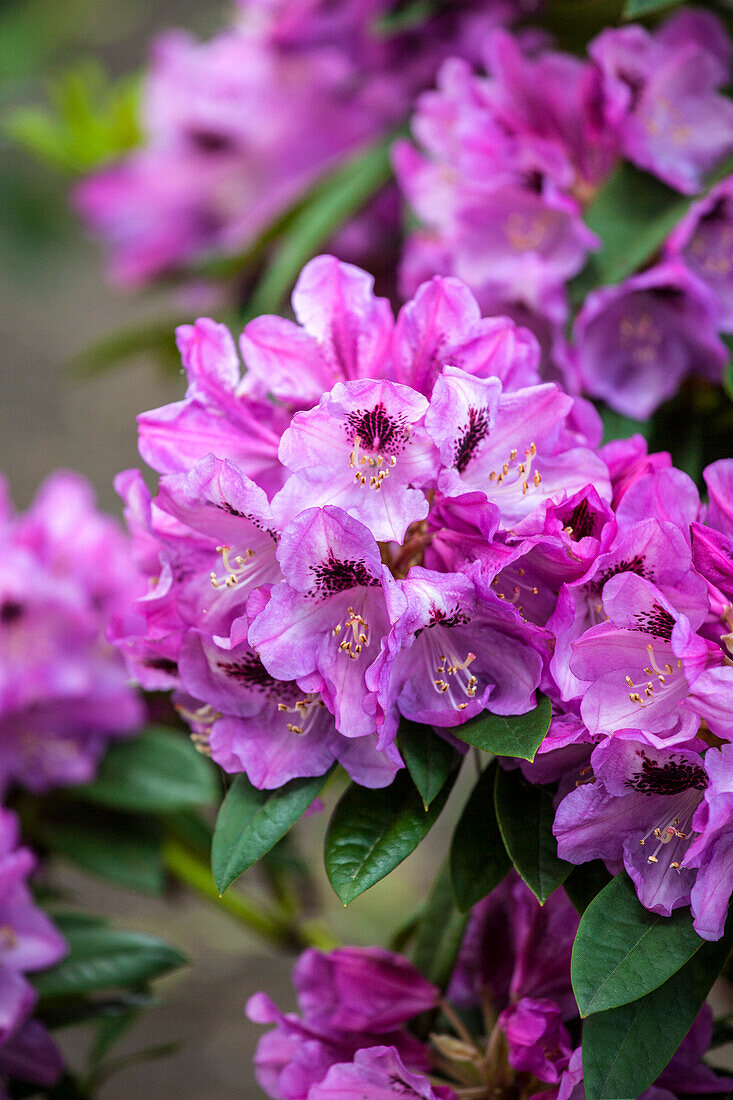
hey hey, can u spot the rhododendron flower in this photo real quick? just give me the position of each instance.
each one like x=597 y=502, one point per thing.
x=659 y=95
x=30 y=942
x=634 y=343
x=538 y=1042
x=65 y=579
x=712 y=849
x=703 y=240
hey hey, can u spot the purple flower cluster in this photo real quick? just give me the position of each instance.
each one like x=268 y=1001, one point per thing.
x=65 y=577
x=507 y=162
x=238 y=127
x=351 y=1037
x=28 y=942
x=386 y=519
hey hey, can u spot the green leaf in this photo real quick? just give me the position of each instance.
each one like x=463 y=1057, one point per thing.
x=633 y=214
x=372 y=831
x=518 y=735
x=157 y=772
x=101 y=957
x=625 y=1049
x=478 y=858
x=618 y=426
x=637 y=9
x=428 y=757
x=123 y=849
x=728 y=369
x=333 y=203
x=251 y=822
x=525 y=814
x=156 y=338
x=439 y=932
x=622 y=951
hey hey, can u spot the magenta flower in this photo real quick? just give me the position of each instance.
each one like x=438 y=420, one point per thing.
x=634 y=343
x=659 y=95
x=66 y=577
x=515 y=447
x=323 y=623
x=375 y=1074
x=646 y=669
x=712 y=849
x=30 y=943
x=538 y=1041
x=455 y=649
x=364 y=449
x=703 y=240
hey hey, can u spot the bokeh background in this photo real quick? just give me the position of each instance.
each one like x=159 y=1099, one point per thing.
x=54 y=303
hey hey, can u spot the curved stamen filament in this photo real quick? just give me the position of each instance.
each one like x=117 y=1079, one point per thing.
x=355 y=630
x=665 y=677
x=525 y=477
x=306 y=711
x=451 y=673
x=234 y=572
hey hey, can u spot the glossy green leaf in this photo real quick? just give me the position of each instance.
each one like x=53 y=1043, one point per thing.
x=478 y=858
x=333 y=203
x=633 y=213
x=585 y=882
x=625 y=1049
x=372 y=831
x=101 y=957
x=525 y=814
x=251 y=822
x=157 y=772
x=428 y=758
x=117 y=847
x=439 y=931
x=518 y=735
x=622 y=951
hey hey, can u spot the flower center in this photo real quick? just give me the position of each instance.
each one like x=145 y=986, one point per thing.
x=234 y=572
x=668 y=681
x=449 y=671
x=521 y=472
x=353 y=630
x=371 y=470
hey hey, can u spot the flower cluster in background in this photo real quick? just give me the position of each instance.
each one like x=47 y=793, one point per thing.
x=507 y=163
x=236 y=128
x=66 y=576
x=394 y=519
x=511 y=982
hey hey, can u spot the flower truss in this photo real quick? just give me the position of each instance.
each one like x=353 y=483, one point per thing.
x=393 y=519
x=502 y=1029
x=505 y=166
x=65 y=577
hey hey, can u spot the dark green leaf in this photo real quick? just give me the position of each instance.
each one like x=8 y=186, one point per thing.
x=101 y=957
x=633 y=214
x=508 y=735
x=584 y=882
x=525 y=815
x=110 y=1029
x=157 y=772
x=478 y=858
x=371 y=832
x=251 y=822
x=637 y=9
x=439 y=932
x=118 y=847
x=618 y=426
x=625 y=1049
x=622 y=951
x=428 y=757
x=728 y=370
x=338 y=199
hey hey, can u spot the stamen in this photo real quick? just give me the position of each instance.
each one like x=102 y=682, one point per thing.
x=234 y=573
x=353 y=644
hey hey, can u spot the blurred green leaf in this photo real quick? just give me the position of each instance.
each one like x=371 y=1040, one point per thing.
x=117 y=847
x=156 y=772
x=618 y=426
x=622 y=951
x=525 y=814
x=428 y=757
x=625 y=1049
x=251 y=822
x=508 y=734
x=372 y=831
x=637 y=9
x=88 y=122
x=478 y=858
x=102 y=957
x=439 y=931
x=156 y=338
x=333 y=203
